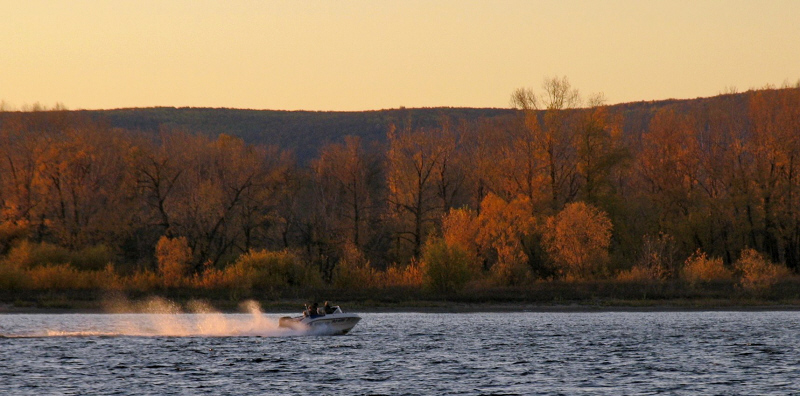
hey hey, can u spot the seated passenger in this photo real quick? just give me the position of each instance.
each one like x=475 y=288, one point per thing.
x=328 y=308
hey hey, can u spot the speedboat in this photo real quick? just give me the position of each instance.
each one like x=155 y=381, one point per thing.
x=335 y=323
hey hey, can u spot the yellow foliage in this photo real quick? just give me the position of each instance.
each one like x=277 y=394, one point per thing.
x=92 y=258
x=502 y=227
x=502 y=222
x=57 y=277
x=639 y=273
x=758 y=273
x=460 y=228
x=273 y=270
x=105 y=279
x=353 y=271
x=578 y=238
x=700 y=268
x=27 y=254
x=409 y=276
x=236 y=276
x=658 y=256
x=511 y=268
x=446 y=268
x=142 y=281
x=173 y=255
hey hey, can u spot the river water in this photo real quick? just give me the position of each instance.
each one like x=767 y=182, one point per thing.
x=605 y=353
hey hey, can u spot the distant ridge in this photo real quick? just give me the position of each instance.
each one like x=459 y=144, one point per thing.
x=305 y=132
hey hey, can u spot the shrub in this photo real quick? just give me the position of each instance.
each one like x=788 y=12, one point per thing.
x=11 y=231
x=12 y=278
x=173 y=256
x=92 y=258
x=756 y=272
x=353 y=271
x=511 y=268
x=446 y=268
x=105 y=279
x=235 y=277
x=27 y=254
x=142 y=281
x=275 y=270
x=57 y=277
x=700 y=268
x=658 y=257
x=409 y=276
x=638 y=273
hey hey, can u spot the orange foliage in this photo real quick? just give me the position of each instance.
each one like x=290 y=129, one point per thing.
x=460 y=228
x=410 y=275
x=700 y=268
x=578 y=239
x=353 y=271
x=344 y=173
x=502 y=227
x=56 y=277
x=65 y=277
x=173 y=255
x=756 y=272
x=637 y=274
x=143 y=281
x=658 y=257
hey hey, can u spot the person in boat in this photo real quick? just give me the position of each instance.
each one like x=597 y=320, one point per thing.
x=328 y=308
x=314 y=310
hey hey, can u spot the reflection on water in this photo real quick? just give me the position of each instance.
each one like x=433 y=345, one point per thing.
x=405 y=353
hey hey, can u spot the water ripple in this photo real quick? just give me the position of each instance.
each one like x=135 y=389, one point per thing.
x=411 y=353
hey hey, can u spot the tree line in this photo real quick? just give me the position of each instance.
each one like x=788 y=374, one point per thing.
x=559 y=190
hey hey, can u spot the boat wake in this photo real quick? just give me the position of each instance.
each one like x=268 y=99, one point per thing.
x=162 y=318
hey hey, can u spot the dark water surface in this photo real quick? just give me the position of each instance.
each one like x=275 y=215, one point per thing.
x=611 y=353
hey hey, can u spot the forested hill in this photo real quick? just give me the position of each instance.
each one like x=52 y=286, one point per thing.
x=303 y=132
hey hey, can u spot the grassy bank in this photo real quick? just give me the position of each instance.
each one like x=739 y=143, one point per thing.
x=543 y=296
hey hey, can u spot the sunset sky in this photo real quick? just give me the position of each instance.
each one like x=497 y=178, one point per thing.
x=364 y=55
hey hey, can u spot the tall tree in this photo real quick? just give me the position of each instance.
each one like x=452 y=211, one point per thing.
x=346 y=176
x=552 y=135
x=414 y=160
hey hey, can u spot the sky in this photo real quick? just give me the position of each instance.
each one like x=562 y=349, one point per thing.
x=380 y=54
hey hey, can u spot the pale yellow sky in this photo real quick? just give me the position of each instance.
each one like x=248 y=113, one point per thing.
x=364 y=55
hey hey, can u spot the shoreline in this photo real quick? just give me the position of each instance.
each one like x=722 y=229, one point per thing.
x=451 y=308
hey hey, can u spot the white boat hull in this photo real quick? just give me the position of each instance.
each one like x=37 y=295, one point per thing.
x=337 y=323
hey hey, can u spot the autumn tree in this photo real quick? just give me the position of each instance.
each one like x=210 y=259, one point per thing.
x=346 y=176
x=669 y=166
x=553 y=134
x=774 y=149
x=174 y=256
x=578 y=238
x=414 y=161
x=89 y=191
x=484 y=164
x=224 y=195
x=599 y=148
x=157 y=166
x=502 y=226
